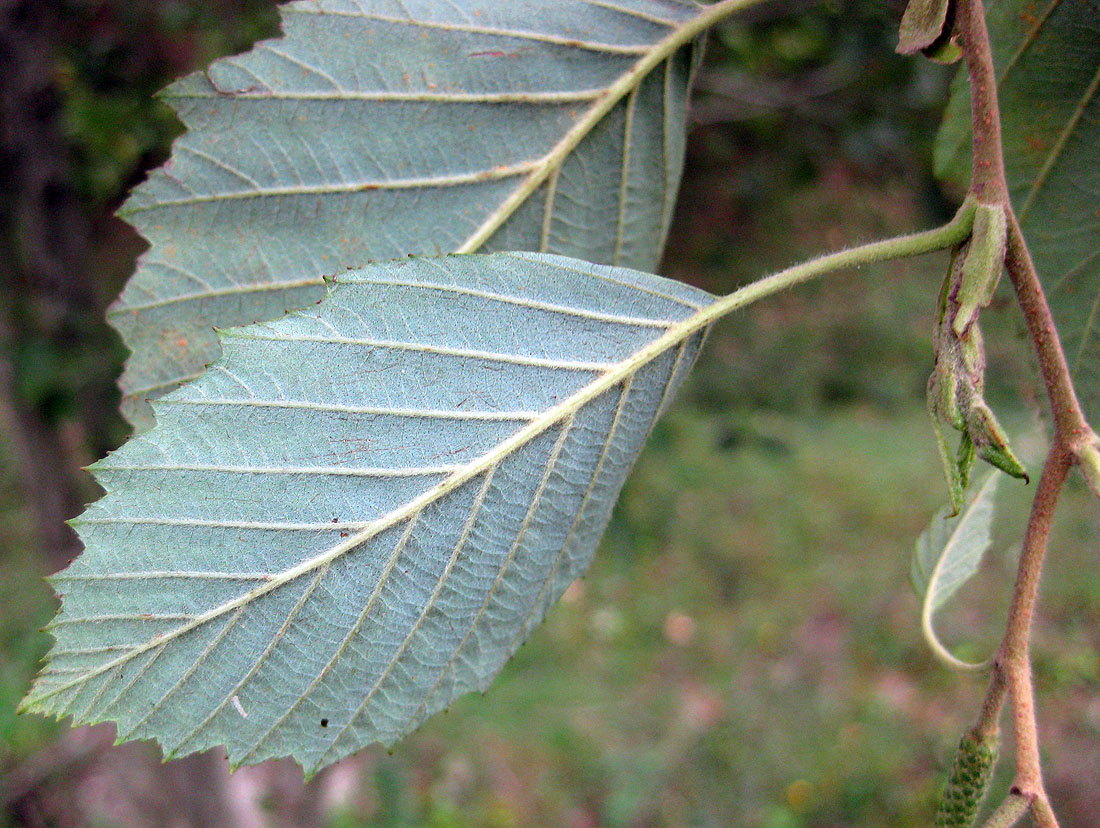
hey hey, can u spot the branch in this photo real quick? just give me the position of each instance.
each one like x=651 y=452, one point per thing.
x=1072 y=435
x=988 y=184
x=1013 y=659
x=1010 y=812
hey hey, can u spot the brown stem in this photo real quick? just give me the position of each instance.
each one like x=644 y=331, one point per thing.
x=988 y=178
x=988 y=184
x=990 y=716
x=1070 y=427
x=1012 y=666
x=1013 y=657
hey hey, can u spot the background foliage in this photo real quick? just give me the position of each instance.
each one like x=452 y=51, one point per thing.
x=744 y=650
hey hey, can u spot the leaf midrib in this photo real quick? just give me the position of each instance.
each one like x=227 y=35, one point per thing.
x=515 y=34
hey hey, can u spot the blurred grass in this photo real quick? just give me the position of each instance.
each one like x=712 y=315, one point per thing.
x=745 y=649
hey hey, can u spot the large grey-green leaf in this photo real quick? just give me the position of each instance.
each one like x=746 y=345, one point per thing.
x=948 y=554
x=376 y=129
x=363 y=509
x=1048 y=64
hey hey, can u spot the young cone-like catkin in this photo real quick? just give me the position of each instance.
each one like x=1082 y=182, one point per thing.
x=969 y=780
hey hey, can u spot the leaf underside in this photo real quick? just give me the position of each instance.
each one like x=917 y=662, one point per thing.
x=948 y=554
x=1047 y=57
x=376 y=129
x=363 y=509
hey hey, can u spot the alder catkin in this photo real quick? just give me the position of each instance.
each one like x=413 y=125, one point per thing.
x=969 y=780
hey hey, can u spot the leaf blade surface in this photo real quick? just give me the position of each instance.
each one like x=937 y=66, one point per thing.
x=377 y=129
x=363 y=509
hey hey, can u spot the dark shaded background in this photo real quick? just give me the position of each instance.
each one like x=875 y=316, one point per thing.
x=745 y=650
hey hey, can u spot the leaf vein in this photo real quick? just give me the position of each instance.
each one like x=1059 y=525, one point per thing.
x=303 y=599
x=624 y=181
x=544 y=98
x=641 y=15
x=440 y=584
x=1060 y=144
x=190 y=671
x=552 y=574
x=63 y=577
x=259 y=287
x=383 y=579
x=534 y=304
x=428 y=182
x=551 y=464
x=321 y=471
x=518 y=34
x=398 y=345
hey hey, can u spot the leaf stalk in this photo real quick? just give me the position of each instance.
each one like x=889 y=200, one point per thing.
x=899 y=247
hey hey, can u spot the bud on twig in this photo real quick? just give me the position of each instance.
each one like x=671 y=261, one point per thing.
x=1088 y=458
x=957 y=385
x=981 y=269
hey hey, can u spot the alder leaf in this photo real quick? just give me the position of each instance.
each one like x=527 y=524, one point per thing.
x=376 y=129
x=1047 y=58
x=364 y=508
x=948 y=554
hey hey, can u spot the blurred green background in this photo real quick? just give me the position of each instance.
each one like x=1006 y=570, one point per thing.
x=745 y=649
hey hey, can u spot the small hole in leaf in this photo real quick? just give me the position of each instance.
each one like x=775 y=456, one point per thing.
x=324 y=722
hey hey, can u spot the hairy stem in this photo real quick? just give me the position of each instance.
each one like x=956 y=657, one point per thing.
x=1012 y=666
x=1009 y=812
x=990 y=716
x=988 y=172
x=915 y=244
x=1070 y=426
x=989 y=186
x=1014 y=656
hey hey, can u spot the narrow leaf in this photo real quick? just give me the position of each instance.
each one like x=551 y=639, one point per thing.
x=376 y=129
x=1047 y=57
x=948 y=554
x=363 y=509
